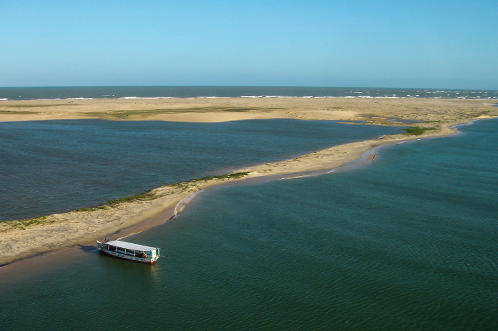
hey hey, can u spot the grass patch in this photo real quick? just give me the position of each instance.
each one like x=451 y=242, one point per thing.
x=227 y=109
x=112 y=203
x=481 y=113
x=32 y=221
x=22 y=224
x=222 y=177
x=119 y=114
x=146 y=196
x=138 y=113
x=416 y=130
x=15 y=112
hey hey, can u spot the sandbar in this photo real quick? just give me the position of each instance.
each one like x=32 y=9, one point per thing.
x=23 y=238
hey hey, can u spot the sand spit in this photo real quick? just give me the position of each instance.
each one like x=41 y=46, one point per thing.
x=19 y=239
x=231 y=109
x=22 y=238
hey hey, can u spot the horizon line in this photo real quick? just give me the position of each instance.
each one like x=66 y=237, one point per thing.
x=249 y=86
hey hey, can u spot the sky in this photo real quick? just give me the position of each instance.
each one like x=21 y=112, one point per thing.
x=405 y=44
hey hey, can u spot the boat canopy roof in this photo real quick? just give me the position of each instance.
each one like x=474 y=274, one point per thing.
x=130 y=246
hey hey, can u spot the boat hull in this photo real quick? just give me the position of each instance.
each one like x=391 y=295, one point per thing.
x=126 y=257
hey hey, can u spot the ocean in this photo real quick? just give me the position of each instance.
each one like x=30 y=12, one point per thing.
x=135 y=92
x=406 y=242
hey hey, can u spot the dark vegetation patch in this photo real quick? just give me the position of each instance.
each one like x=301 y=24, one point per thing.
x=149 y=195
x=15 y=112
x=222 y=177
x=22 y=224
x=416 y=130
x=120 y=114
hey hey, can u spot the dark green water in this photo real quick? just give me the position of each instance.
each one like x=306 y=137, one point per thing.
x=407 y=242
x=55 y=166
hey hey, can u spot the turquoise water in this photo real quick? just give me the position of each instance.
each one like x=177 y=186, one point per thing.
x=55 y=166
x=407 y=242
x=117 y=92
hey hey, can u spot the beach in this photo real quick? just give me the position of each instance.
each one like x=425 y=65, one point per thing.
x=20 y=239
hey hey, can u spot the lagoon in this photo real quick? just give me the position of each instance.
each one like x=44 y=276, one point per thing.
x=55 y=166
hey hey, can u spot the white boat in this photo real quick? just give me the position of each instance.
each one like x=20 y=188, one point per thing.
x=130 y=251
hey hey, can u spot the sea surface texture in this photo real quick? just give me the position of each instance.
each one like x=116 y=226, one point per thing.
x=406 y=242
x=56 y=166
x=137 y=92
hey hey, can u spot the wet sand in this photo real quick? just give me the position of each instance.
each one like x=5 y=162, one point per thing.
x=21 y=239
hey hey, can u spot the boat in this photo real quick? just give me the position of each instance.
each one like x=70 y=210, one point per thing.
x=129 y=251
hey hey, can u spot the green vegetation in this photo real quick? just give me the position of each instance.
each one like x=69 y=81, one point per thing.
x=22 y=224
x=138 y=113
x=145 y=196
x=37 y=220
x=481 y=113
x=222 y=177
x=211 y=109
x=416 y=130
x=182 y=185
x=16 y=112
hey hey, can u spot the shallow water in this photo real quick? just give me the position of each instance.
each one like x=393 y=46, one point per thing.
x=55 y=166
x=406 y=242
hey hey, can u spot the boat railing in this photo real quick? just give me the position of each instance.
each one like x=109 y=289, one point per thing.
x=125 y=251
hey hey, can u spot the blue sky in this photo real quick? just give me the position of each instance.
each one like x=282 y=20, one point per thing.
x=421 y=44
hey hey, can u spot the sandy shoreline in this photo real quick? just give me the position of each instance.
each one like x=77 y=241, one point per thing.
x=20 y=239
